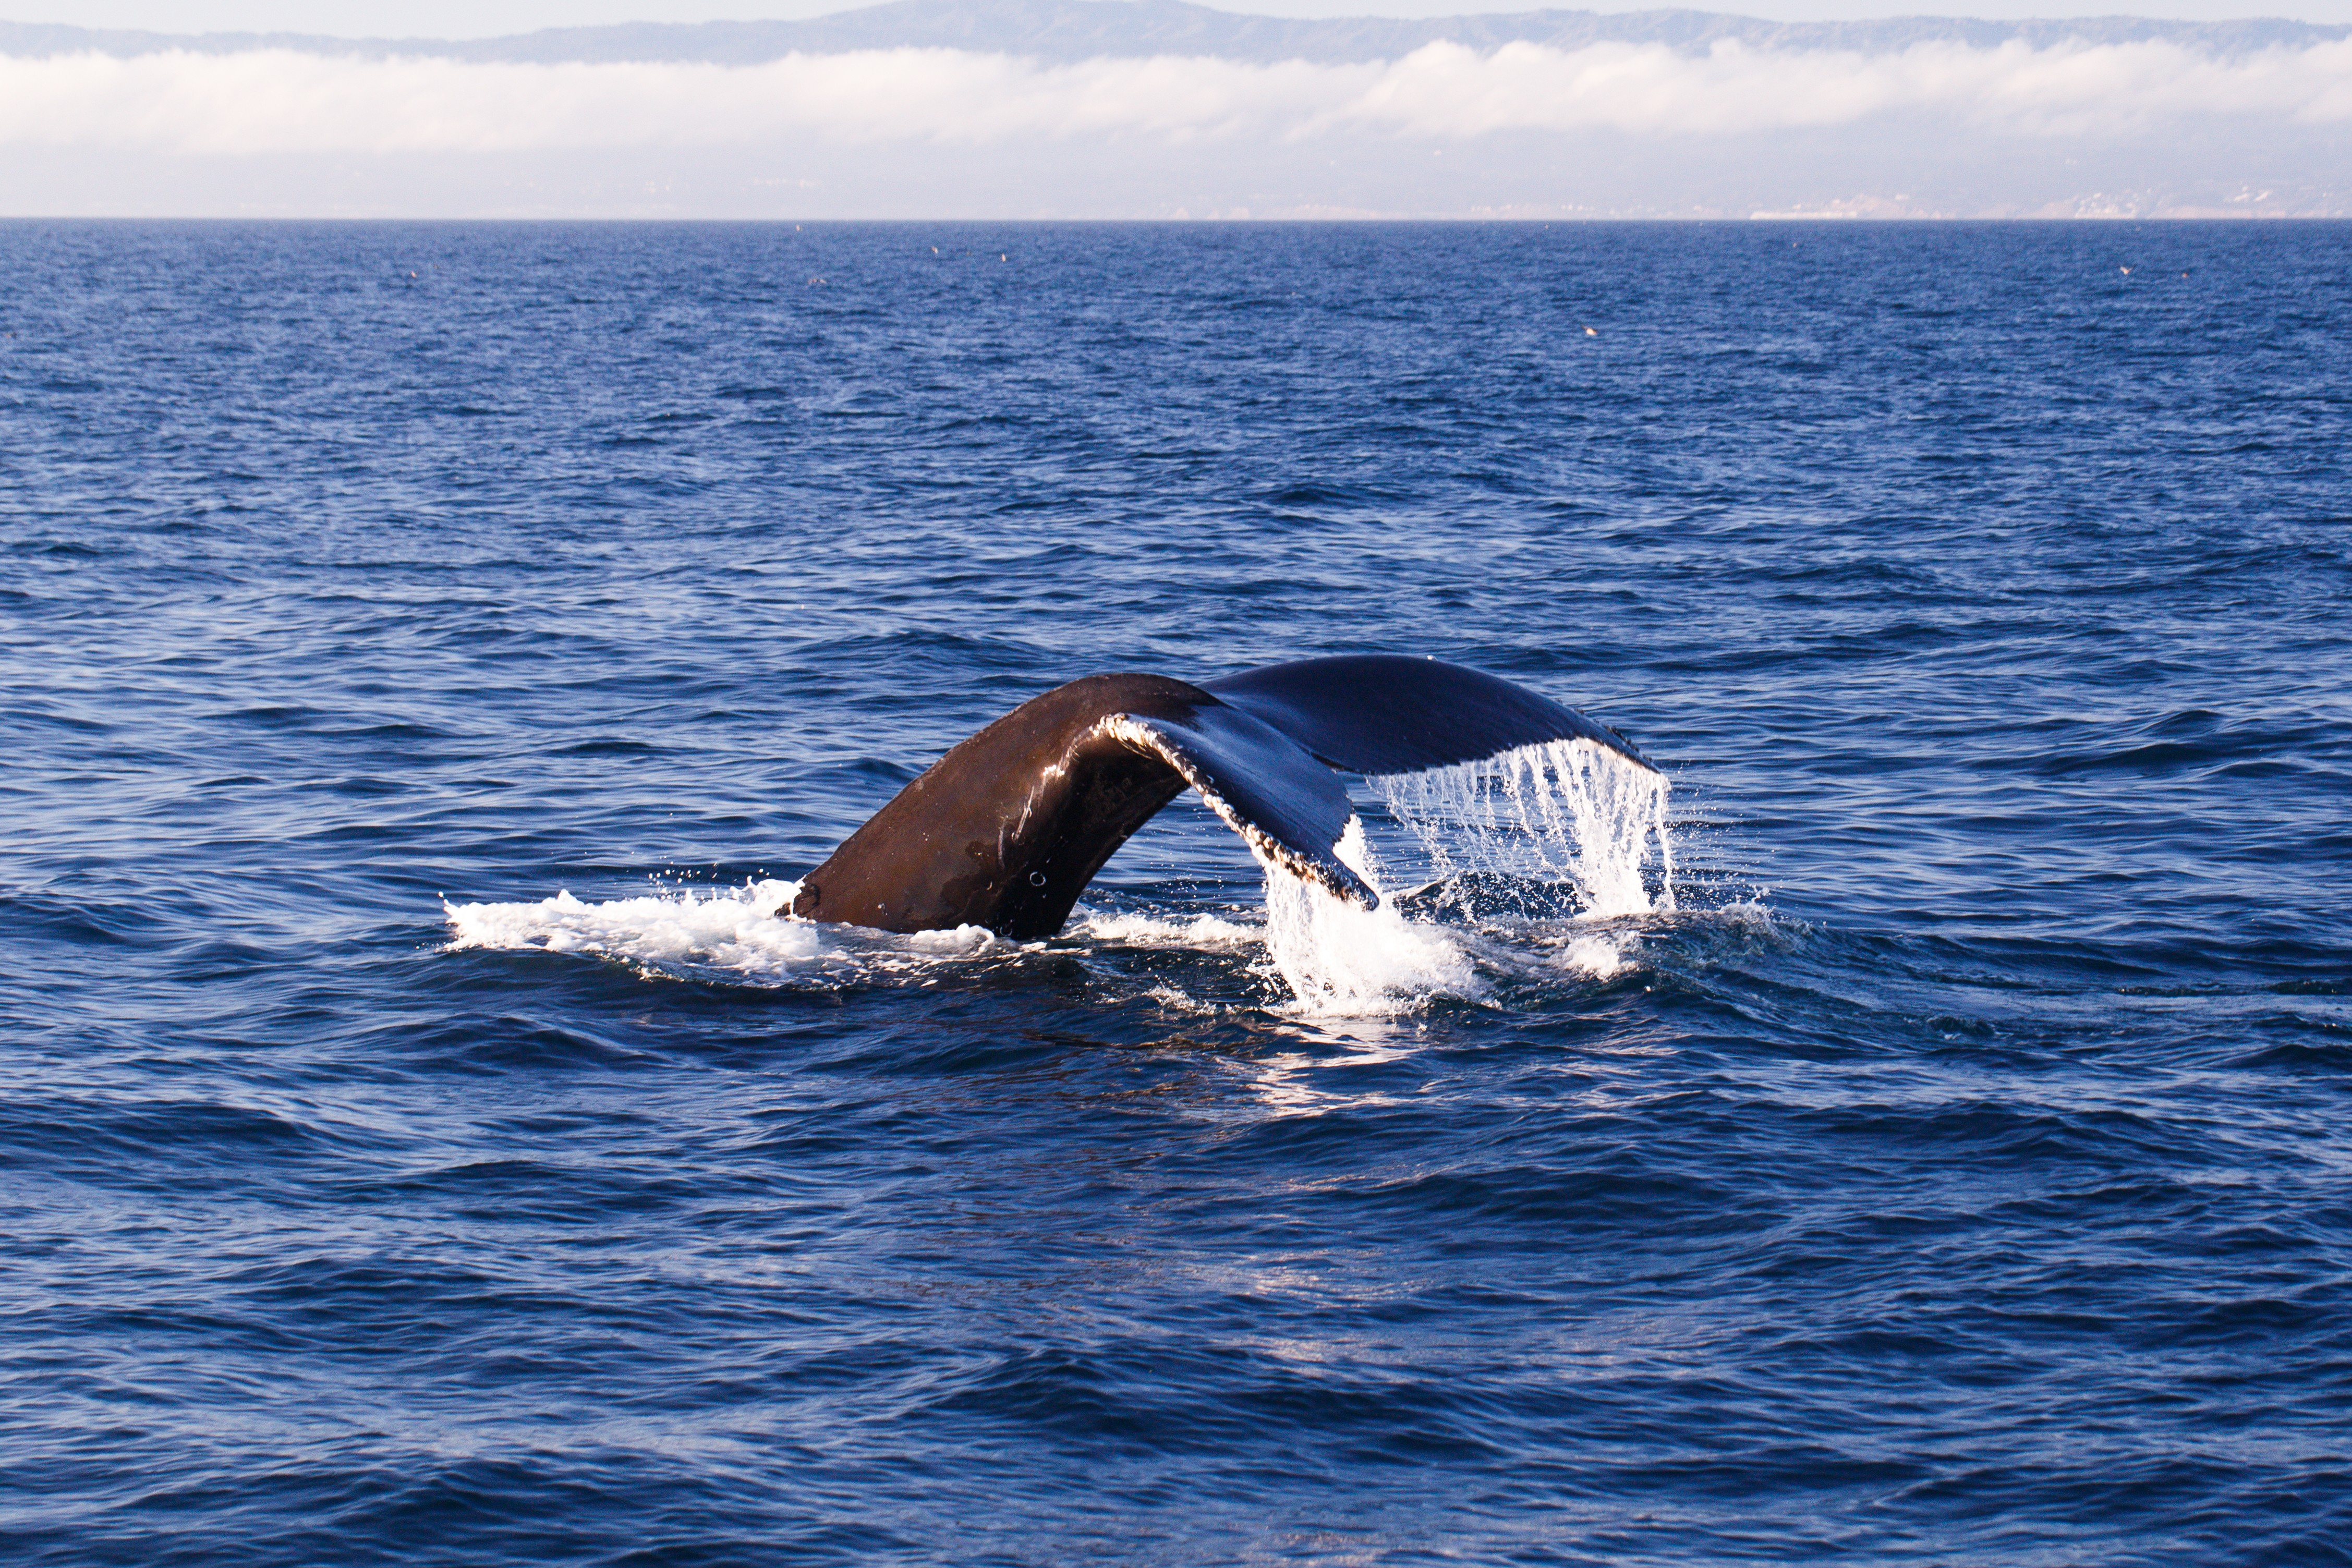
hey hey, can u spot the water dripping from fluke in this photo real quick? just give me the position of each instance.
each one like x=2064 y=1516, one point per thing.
x=1563 y=831
x=1537 y=821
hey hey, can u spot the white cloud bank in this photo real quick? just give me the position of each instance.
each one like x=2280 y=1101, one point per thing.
x=279 y=102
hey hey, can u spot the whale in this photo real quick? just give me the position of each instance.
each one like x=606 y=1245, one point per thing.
x=1006 y=829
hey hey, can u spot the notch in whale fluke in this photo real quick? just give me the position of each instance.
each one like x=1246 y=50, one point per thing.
x=1007 y=829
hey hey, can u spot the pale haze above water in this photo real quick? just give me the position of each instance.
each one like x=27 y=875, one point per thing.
x=1157 y=110
x=489 y=18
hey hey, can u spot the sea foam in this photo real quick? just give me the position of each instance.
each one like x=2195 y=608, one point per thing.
x=727 y=928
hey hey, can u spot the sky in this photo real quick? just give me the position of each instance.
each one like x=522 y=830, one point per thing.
x=2066 y=127
x=489 y=18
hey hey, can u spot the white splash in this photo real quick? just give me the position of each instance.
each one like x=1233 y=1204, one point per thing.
x=1145 y=930
x=1601 y=957
x=1561 y=811
x=954 y=942
x=1341 y=960
x=730 y=928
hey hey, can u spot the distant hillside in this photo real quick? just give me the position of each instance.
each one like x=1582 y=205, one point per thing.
x=1065 y=30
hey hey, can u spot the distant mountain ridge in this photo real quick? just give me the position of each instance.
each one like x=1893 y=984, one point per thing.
x=1070 y=30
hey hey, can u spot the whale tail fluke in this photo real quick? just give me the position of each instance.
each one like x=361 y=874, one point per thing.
x=1006 y=829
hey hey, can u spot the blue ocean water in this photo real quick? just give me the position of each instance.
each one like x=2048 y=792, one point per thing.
x=427 y=646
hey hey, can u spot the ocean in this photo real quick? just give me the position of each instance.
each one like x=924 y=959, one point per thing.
x=433 y=651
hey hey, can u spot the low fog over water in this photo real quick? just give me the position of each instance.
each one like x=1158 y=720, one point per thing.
x=1103 y=108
